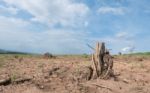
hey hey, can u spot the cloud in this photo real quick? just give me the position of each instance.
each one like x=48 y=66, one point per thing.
x=14 y=35
x=128 y=49
x=17 y=34
x=10 y=23
x=52 y=12
x=120 y=41
x=124 y=36
x=65 y=26
x=121 y=34
x=111 y=10
x=10 y=10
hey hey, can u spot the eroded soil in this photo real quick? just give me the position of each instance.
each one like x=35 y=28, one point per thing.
x=72 y=74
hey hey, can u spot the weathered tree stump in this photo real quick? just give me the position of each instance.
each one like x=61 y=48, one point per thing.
x=102 y=62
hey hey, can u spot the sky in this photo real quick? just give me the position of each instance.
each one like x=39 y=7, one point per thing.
x=67 y=26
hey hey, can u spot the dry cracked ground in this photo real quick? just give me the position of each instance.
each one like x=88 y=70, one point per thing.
x=71 y=74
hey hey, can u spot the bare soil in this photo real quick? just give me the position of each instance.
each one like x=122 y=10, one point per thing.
x=72 y=74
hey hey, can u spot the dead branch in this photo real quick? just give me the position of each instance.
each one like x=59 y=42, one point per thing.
x=90 y=46
x=103 y=87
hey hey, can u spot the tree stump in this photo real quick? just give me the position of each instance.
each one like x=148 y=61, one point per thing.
x=102 y=62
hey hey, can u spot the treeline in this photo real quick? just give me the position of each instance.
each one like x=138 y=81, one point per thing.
x=141 y=53
x=11 y=52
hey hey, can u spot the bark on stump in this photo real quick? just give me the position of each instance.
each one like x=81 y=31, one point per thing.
x=102 y=62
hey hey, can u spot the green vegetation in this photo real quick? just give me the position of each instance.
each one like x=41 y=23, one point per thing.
x=13 y=77
x=85 y=55
x=1 y=64
x=142 y=53
x=75 y=55
x=2 y=60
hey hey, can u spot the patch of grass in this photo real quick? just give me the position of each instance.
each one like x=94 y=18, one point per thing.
x=141 y=53
x=1 y=64
x=85 y=55
x=14 y=76
x=2 y=61
x=136 y=54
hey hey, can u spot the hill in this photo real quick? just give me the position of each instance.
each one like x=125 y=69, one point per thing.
x=2 y=51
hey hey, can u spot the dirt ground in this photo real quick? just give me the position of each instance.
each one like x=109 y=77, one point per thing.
x=71 y=74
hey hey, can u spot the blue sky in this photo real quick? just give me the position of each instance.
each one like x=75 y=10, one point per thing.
x=66 y=26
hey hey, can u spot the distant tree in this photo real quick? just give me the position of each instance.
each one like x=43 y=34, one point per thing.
x=48 y=55
x=119 y=53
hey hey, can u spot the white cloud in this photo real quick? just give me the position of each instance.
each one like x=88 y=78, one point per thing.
x=128 y=49
x=111 y=10
x=14 y=35
x=12 y=23
x=124 y=35
x=118 y=42
x=121 y=34
x=51 y=12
